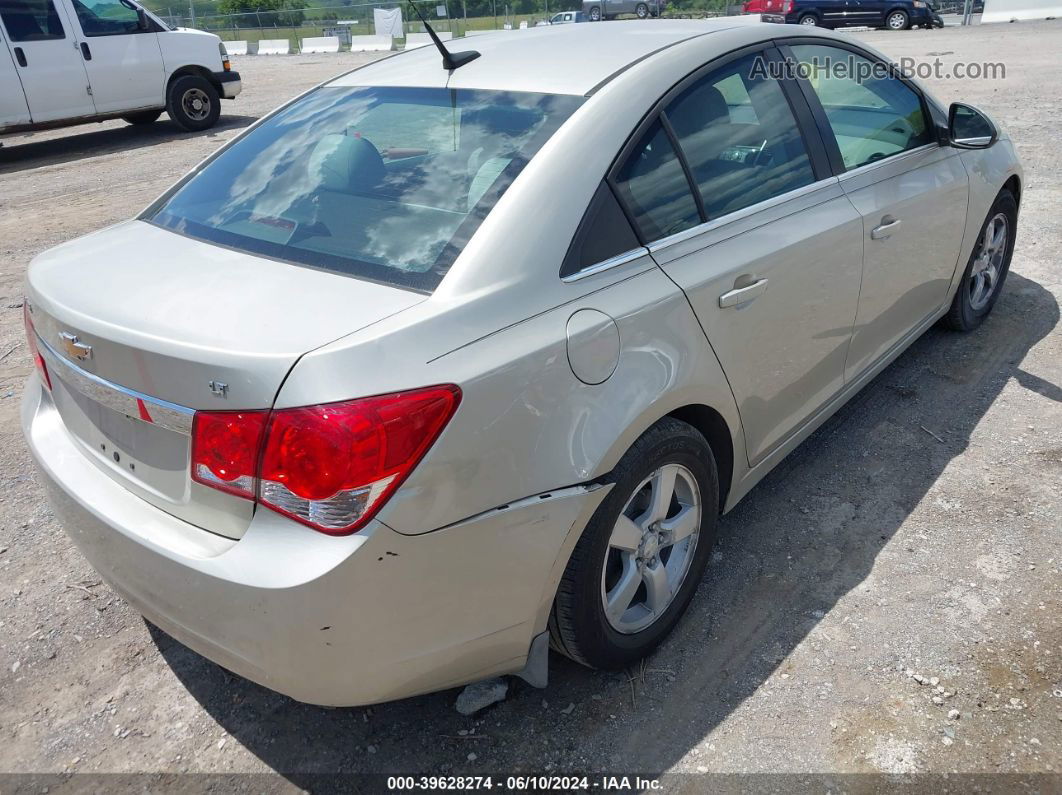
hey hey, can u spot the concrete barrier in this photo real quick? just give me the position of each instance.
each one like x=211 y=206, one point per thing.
x=415 y=40
x=320 y=44
x=274 y=47
x=370 y=43
x=236 y=47
x=1013 y=10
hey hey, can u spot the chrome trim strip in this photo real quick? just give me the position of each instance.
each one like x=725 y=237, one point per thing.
x=737 y=215
x=117 y=398
x=604 y=265
x=888 y=161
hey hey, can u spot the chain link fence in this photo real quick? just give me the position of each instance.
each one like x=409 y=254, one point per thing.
x=356 y=19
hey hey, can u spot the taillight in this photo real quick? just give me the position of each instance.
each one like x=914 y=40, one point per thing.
x=787 y=7
x=330 y=466
x=31 y=341
x=225 y=448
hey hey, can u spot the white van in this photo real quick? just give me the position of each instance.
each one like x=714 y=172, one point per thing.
x=66 y=62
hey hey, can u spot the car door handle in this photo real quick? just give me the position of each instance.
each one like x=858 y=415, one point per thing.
x=20 y=56
x=85 y=51
x=742 y=294
x=885 y=229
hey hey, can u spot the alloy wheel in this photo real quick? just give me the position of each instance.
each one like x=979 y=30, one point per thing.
x=897 y=22
x=988 y=267
x=651 y=549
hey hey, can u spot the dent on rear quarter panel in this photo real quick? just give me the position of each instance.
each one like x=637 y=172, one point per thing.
x=527 y=425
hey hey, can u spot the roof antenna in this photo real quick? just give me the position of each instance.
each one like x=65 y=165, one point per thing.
x=451 y=60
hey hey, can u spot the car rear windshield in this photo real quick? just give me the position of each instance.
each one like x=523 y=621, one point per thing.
x=384 y=183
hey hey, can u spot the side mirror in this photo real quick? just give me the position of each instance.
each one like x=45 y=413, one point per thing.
x=969 y=128
x=142 y=21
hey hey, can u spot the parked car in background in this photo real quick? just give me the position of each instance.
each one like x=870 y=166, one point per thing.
x=763 y=7
x=567 y=17
x=432 y=370
x=64 y=62
x=890 y=14
x=597 y=10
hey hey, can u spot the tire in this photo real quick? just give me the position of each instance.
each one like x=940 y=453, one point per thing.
x=578 y=624
x=595 y=14
x=897 y=20
x=641 y=11
x=193 y=103
x=143 y=117
x=987 y=270
x=808 y=19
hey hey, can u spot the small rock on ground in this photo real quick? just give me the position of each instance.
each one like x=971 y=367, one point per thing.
x=480 y=695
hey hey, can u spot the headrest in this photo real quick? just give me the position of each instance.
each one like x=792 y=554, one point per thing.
x=697 y=108
x=346 y=162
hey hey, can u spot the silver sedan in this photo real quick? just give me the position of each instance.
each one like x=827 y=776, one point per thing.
x=433 y=369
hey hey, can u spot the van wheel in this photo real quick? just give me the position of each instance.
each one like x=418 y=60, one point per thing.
x=143 y=117
x=193 y=103
x=808 y=19
x=896 y=20
x=642 y=11
x=595 y=14
x=639 y=560
x=987 y=269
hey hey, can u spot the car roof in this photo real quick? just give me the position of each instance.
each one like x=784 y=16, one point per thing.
x=566 y=59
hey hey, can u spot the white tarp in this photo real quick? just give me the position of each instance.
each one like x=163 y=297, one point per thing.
x=1006 y=10
x=320 y=44
x=274 y=47
x=236 y=47
x=370 y=43
x=388 y=22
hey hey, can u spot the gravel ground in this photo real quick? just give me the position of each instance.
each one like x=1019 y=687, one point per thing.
x=914 y=538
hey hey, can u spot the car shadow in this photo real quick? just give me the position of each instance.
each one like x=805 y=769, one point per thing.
x=19 y=152
x=807 y=536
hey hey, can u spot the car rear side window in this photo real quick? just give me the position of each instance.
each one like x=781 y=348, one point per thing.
x=653 y=184
x=603 y=234
x=740 y=138
x=31 y=20
x=873 y=115
x=386 y=184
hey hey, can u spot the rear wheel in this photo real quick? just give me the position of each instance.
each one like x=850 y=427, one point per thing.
x=143 y=117
x=987 y=269
x=595 y=14
x=193 y=103
x=641 y=556
x=641 y=11
x=808 y=19
x=896 y=20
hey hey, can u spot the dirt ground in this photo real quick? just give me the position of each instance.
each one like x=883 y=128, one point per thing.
x=918 y=532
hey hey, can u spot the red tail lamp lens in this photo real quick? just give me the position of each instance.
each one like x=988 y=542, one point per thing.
x=330 y=466
x=225 y=449
x=31 y=341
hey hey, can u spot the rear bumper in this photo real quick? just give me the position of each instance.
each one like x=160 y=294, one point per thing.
x=346 y=621
x=229 y=84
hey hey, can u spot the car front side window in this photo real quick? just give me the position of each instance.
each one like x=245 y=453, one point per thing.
x=107 y=19
x=873 y=115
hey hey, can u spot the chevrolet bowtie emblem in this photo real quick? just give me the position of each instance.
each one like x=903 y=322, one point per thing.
x=75 y=349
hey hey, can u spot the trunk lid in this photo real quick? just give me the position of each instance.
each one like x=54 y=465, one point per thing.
x=176 y=325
